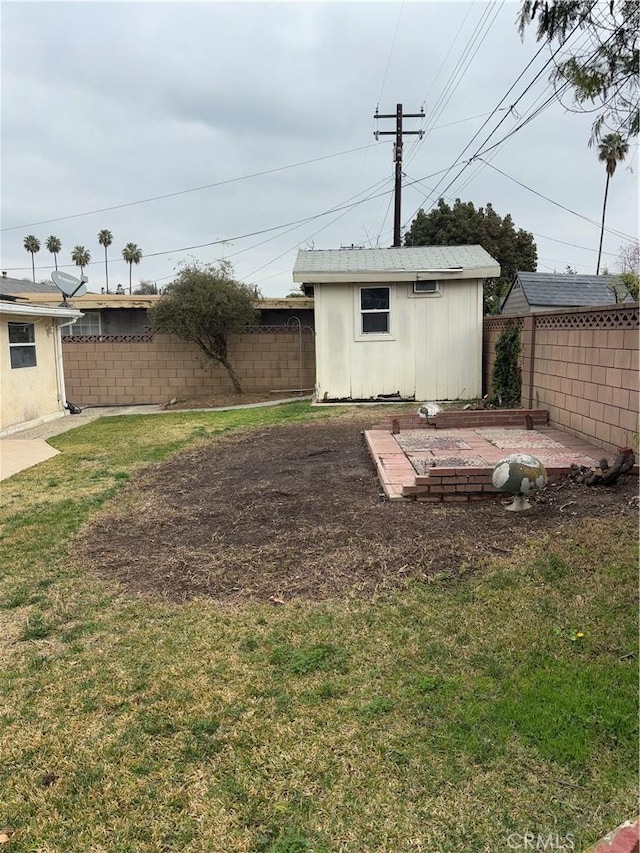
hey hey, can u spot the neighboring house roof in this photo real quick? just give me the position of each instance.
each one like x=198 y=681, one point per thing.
x=92 y=301
x=21 y=285
x=564 y=290
x=318 y=266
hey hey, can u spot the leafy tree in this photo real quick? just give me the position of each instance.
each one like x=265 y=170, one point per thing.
x=54 y=245
x=628 y=278
x=204 y=304
x=32 y=245
x=132 y=255
x=80 y=257
x=611 y=150
x=463 y=225
x=602 y=69
x=105 y=238
x=146 y=288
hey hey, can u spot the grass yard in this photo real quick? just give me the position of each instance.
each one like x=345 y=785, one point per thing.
x=453 y=711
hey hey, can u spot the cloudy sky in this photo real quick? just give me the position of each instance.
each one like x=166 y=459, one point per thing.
x=154 y=119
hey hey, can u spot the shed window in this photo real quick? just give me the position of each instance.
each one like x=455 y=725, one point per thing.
x=22 y=344
x=374 y=310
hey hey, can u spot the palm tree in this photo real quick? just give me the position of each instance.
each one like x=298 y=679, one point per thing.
x=32 y=244
x=54 y=245
x=132 y=255
x=81 y=257
x=105 y=238
x=612 y=150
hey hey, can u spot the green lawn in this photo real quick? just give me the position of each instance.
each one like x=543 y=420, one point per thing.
x=442 y=717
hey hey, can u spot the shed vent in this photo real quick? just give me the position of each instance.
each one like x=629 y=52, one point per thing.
x=426 y=286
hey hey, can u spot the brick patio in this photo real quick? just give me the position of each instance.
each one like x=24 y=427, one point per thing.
x=435 y=461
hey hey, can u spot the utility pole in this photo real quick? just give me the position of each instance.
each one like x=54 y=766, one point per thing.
x=397 y=153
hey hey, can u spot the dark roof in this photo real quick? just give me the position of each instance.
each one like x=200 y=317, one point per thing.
x=564 y=290
x=21 y=285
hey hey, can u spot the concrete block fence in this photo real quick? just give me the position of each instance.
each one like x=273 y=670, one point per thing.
x=134 y=369
x=582 y=365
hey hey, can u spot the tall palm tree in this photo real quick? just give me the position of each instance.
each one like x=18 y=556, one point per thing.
x=54 y=245
x=132 y=255
x=612 y=150
x=32 y=244
x=81 y=257
x=105 y=238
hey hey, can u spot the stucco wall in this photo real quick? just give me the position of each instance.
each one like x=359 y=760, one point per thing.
x=28 y=393
x=433 y=351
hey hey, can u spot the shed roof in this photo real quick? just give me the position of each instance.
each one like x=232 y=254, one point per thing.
x=409 y=263
x=564 y=290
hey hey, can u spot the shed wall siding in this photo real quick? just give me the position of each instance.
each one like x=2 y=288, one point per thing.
x=434 y=350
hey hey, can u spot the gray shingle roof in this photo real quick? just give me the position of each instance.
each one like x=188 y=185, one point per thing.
x=564 y=290
x=21 y=285
x=403 y=262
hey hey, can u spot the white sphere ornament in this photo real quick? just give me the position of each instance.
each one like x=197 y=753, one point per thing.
x=519 y=474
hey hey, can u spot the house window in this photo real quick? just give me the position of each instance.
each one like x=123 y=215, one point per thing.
x=374 y=310
x=88 y=324
x=22 y=344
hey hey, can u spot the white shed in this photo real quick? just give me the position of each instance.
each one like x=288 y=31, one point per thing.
x=402 y=321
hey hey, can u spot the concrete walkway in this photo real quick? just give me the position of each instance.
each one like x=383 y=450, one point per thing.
x=28 y=447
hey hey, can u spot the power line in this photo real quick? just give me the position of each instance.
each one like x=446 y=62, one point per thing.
x=451 y=86
x=191 y=190
x=511 y=88
x=257 y=233
x=558 y=204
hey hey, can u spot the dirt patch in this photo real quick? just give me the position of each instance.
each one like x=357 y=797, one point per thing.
x=295 y=511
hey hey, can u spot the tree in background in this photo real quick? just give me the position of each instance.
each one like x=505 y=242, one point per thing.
x=132 y=255
x=612 y=150
x=205 y=304
x=32 y=245
x=80 y=257
x=105 y=238
x=601 y=69
x=146 y=288
x=628 y=282
x=54 y=246
x=463 y=225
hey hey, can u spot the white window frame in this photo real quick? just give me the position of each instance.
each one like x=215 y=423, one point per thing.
x=358 y=313
x=77 y=330
x=428 y=294
x=15 y=345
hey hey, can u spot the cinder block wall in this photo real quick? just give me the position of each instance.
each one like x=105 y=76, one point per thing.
x=583 y=366
x=139 y=369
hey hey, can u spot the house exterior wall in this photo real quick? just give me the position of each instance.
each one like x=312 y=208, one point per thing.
x=433 y=351
x=581 y=365
x=154 y=369
x=516 y=302
x=29 y=393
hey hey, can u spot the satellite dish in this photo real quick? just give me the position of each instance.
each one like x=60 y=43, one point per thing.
x=69 y=285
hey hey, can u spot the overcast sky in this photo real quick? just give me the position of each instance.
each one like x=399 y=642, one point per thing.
x=109 y=104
